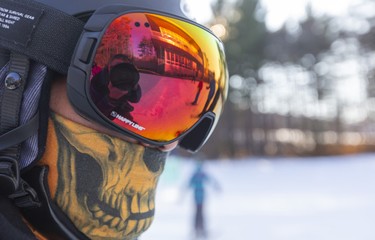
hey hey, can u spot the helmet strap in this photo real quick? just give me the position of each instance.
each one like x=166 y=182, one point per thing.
x=48 y=219
x=11 y=183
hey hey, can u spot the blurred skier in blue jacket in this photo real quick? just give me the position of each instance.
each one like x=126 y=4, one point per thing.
x=198 y=182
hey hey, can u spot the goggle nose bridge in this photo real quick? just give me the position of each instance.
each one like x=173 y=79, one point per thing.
x=196 y=137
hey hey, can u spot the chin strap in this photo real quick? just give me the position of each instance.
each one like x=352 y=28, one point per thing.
x=48 y=219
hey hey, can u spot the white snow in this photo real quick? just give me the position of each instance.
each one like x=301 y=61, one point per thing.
x=323 y=198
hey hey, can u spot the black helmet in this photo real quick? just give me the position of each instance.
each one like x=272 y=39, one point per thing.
x=84 y=8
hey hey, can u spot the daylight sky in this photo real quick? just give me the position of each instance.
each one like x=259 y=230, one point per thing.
x=279 y=11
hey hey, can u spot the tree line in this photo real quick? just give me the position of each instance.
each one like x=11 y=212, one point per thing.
x=305 y=89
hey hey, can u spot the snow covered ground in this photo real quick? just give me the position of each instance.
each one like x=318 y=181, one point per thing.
x=325 y=198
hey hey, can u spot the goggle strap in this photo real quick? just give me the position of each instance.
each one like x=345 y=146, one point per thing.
x=40 y=32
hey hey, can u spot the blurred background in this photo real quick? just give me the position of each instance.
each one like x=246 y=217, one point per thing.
x=293 y=151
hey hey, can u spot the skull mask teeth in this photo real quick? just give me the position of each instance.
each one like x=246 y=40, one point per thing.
x=107 y=186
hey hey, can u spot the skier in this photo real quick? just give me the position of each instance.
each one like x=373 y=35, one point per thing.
x=198 y=183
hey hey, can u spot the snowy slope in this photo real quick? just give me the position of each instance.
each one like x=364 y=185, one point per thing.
x=325 y=198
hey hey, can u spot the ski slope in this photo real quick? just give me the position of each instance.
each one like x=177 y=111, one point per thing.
x=323 y=198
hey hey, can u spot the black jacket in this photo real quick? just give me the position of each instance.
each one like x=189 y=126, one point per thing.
x=11 y=224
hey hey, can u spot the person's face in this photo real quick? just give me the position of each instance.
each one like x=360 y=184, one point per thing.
x=104 y=184
x=116 y=93
x=60 y=104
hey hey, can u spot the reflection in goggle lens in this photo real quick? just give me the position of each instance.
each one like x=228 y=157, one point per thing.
x=152 y=72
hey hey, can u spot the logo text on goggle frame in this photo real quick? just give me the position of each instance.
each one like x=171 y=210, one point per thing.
x=127 y=121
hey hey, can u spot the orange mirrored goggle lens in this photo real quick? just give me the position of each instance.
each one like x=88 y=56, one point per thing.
x=153 y=72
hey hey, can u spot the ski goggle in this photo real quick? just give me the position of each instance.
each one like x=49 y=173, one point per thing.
x=154 y=77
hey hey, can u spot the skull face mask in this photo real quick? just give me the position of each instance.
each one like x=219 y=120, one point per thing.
x=106 y=186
